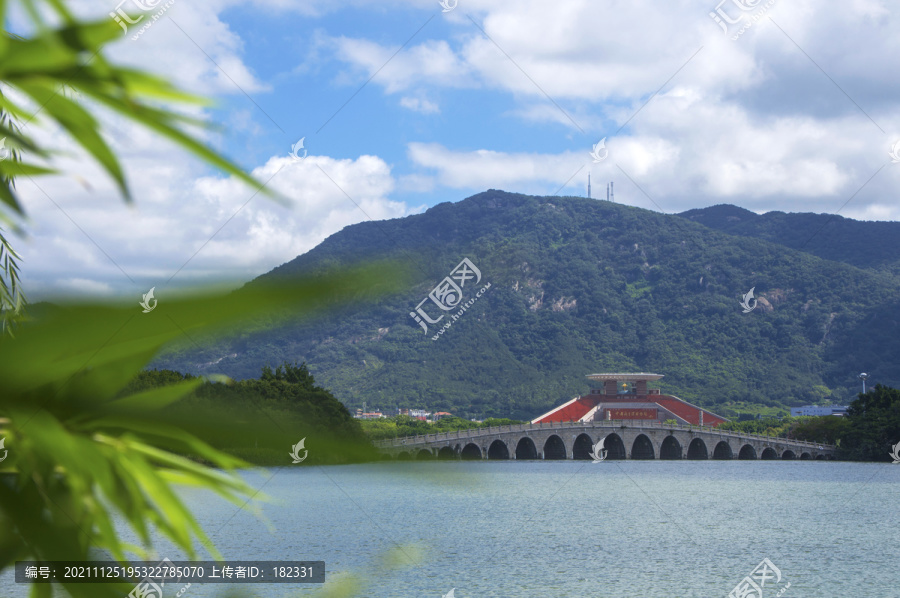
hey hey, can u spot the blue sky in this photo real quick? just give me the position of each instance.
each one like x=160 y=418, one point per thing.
x=797 y=113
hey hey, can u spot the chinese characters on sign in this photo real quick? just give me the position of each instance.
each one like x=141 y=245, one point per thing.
x=448 y=296
x=752 y=585
x=632 y=413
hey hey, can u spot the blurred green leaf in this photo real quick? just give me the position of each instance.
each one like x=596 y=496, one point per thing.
x=78 y=451
x=71 y=56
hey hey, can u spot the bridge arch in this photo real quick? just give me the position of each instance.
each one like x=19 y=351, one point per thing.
x=470 y=452
x=446 y=453
x=652 y=442
x=642 y=448
x=582 y=447
x=614 y=447
x=670 y=448
x=525 y=449
x=498 y=450
x=768 y=454
x=723 y=451
x=554 y=448
x=697 y=450
x=747 y=452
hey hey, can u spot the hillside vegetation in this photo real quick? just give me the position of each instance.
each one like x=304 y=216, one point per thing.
x=260 y=420
x=580 y=286
x=873 y=245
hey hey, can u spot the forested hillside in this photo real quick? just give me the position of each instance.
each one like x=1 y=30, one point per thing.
x=580 y=286
x=259 y=420
x=874 y=245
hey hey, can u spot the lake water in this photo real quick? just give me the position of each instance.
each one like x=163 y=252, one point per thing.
x=576 y=529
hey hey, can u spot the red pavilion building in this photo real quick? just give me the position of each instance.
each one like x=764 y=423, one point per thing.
x=626 y=396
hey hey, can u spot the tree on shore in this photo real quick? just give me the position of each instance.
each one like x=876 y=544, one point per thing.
x=874 y=425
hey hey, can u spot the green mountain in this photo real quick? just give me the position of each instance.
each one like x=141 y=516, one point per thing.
x=874 y=245
x=579 y=286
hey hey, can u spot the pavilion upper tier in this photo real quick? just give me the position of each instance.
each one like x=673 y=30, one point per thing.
x=626 y=377
x=611 y=382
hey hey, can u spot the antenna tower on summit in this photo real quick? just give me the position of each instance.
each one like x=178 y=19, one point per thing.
x=589 y=185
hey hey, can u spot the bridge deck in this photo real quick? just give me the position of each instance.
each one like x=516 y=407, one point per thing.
x=632 y=426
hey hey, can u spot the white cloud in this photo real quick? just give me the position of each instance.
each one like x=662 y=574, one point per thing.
x=419 y=105
x=687 y=150
x=483 y=169
x=431 y=62
x=752 y=122
x=327 y=195
x=189 y=44
x=180 y=211
x=78 y=222
x=574 y=49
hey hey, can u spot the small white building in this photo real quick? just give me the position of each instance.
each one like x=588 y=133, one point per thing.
x=815 y=410
x=420 y=414
x=360 y=414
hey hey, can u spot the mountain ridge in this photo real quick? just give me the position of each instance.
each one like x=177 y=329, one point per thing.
x=865 y=244
x=579 y=286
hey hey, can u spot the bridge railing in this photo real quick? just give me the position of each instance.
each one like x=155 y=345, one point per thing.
x=626 y=423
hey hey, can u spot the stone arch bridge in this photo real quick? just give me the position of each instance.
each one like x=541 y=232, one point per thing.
x=625 y=439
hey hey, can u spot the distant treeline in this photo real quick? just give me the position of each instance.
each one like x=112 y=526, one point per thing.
x=404 y=425
x=261 y=420
x=867 y=433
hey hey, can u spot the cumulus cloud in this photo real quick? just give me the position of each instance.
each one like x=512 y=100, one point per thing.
x=82 y=238
x=205 y=228
x=190 y=44
x=691 y=116
x=754 y=121
x=484 y=169
x=327 y=195
x=430 y=62
x=419 y=105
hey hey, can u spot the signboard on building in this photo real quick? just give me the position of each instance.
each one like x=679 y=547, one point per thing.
x=632 y=413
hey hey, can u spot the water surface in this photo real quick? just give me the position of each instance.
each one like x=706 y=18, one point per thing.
x=576 y=529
